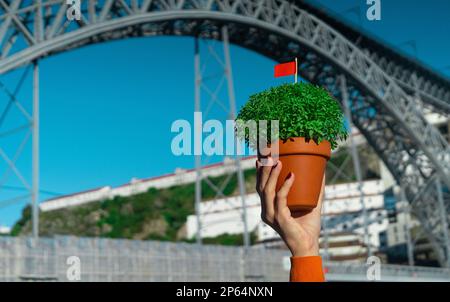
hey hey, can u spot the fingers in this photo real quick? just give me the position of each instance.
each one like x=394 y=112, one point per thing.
x=258 y=175
x=272 y=179
x=264 y=173
x=266 y=191
x=266 y=208
x=281 y=199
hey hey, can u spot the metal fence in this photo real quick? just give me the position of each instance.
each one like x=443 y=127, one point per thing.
x=133 y=260
x=46 y=259
x=342 y=271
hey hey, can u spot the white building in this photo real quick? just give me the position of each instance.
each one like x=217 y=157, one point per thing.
x=397 y=232
x=136 y=186
x=4 y=230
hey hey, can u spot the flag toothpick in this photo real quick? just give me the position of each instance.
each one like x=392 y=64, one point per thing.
x=296 y=70
x=287 y=69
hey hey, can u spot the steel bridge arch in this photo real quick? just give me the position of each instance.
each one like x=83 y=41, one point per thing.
x=390 y=118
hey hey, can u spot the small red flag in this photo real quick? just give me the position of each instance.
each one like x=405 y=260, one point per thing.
x=285 y=69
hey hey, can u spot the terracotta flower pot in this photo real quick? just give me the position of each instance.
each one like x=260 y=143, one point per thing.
x=307 y=160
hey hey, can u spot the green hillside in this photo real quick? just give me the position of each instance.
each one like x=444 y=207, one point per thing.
x=156 y=214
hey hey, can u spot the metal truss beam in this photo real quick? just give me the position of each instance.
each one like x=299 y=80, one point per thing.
x=410 y=74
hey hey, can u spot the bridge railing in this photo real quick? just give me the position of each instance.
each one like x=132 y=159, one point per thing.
x=52 y=259
x=344 y=271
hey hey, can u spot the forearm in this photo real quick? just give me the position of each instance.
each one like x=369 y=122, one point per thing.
x=306 y=269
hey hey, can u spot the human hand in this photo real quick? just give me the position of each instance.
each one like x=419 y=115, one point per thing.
x=299 y=230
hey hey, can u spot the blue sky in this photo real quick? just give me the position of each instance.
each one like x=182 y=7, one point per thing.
x=106 y=109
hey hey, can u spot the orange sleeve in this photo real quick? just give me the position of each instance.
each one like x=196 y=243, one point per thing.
x=307 y=269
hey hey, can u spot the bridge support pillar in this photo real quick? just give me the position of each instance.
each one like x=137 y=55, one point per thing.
x=356 y=162
x=197 y=127
x=406 y=210
x=237 y=158
x=444 y=223
x=35 y=153
x=223 y=60
x=17 y=124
